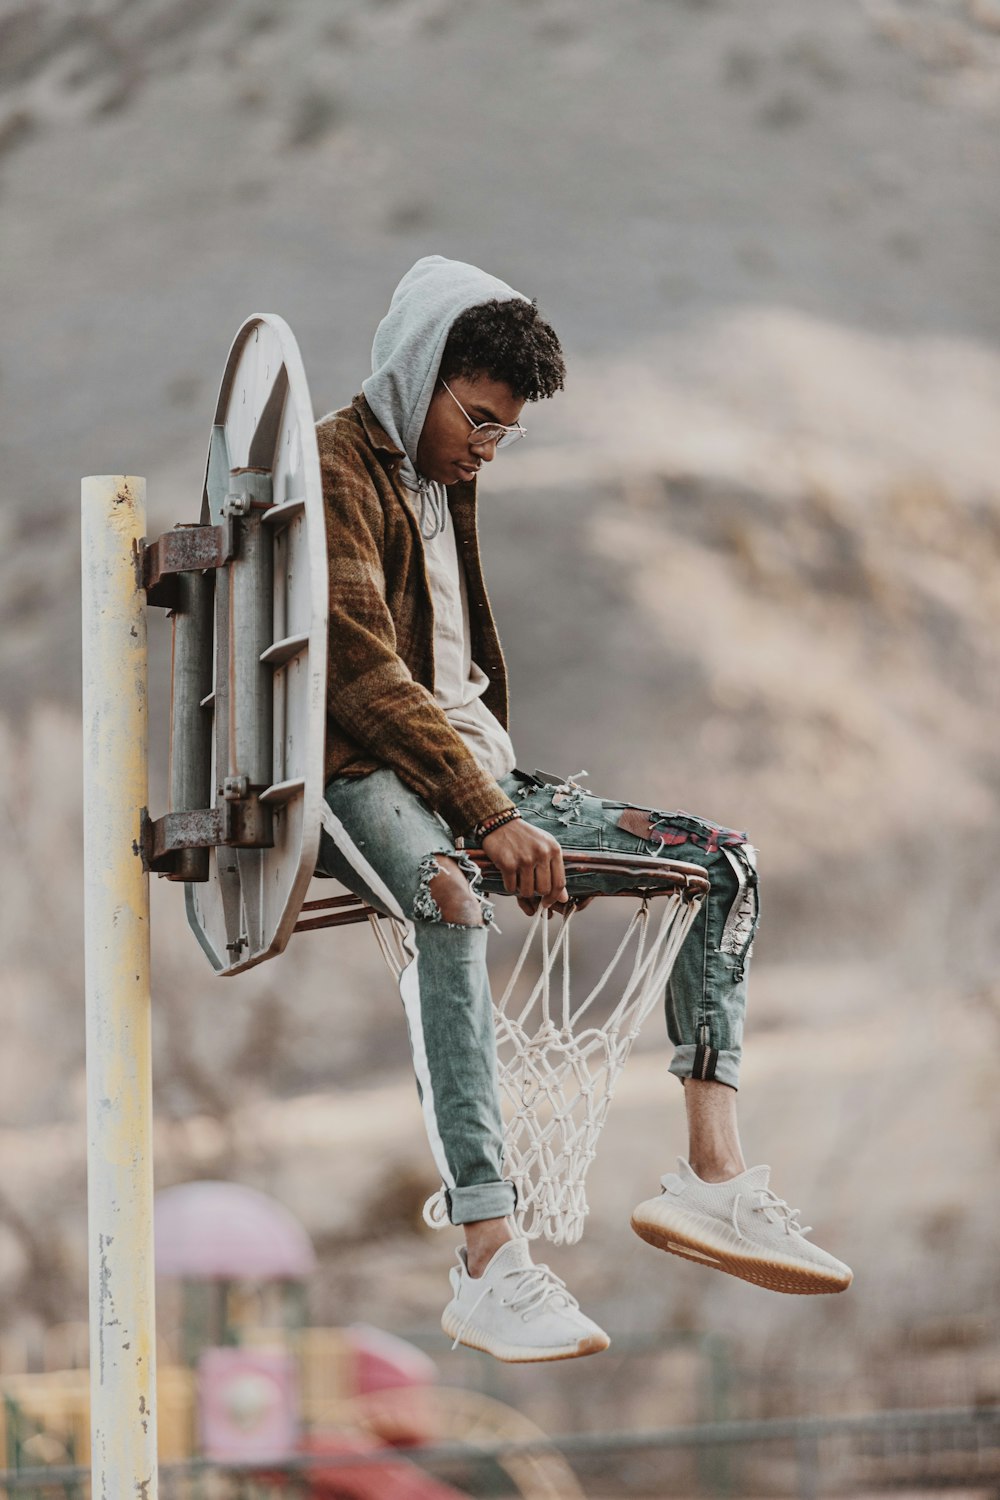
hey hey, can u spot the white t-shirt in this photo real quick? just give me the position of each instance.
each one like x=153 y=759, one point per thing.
x=459 y=683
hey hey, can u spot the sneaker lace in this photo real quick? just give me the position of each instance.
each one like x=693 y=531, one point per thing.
x=535 y=1287
x=774 y=1209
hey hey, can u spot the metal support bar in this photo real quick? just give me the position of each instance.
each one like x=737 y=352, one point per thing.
x=244 y=733
x=116 y=922
x=191 y=717
x=186 y=549
x=339 y=911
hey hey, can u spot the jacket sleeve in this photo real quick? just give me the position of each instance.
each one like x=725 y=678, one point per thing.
x=371 y=692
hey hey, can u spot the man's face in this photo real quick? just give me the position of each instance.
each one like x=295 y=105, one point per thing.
x=444 y=452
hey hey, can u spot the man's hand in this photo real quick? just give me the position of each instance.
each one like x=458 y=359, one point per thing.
x=531 y=864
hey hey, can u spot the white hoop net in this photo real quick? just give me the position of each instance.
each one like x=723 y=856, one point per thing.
x=559 y=1060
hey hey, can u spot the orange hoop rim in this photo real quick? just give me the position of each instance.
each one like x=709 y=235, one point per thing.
x=653 y=877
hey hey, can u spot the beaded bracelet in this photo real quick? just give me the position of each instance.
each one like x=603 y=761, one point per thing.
x=490 y=825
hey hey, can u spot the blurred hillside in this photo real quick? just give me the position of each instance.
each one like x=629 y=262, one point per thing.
x=747 y=564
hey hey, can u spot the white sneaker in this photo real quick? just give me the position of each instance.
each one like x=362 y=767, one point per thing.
x=518 y=1311
x=738 y=1226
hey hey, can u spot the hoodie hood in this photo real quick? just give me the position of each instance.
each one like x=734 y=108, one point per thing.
x=410 y=340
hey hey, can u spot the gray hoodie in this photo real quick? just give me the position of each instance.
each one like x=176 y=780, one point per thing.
x=409 y=342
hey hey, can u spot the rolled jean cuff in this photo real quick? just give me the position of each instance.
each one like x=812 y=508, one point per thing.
x=483 y=1200
x=705 y=1062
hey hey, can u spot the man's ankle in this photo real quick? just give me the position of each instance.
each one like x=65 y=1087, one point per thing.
x=483 y=1238
x=717 y=1169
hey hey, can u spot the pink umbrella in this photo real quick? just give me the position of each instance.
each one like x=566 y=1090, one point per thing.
x=222 y=1231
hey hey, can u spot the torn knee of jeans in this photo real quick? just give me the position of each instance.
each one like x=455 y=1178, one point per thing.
x=425 y=903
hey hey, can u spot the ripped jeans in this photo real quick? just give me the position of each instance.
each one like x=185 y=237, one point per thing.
x=389 y=858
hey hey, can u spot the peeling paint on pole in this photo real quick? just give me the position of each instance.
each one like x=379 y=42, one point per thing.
x=116 y=915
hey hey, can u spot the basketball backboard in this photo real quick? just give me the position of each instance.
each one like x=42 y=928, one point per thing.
x=264 y=712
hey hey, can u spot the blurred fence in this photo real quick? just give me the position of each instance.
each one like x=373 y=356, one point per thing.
x=803 y=1459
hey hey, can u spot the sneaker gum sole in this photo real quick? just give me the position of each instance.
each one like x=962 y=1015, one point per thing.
x=698 y=1239
x=521 y=1354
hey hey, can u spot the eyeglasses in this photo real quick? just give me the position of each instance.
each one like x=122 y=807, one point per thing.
x=487 y=432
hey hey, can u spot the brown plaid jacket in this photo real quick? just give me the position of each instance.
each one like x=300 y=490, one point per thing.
x=381 y=709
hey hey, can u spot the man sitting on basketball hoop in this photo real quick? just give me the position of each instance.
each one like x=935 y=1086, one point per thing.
x=420 y=769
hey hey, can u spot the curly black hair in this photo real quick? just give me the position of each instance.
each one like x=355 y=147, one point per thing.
x=508 y=341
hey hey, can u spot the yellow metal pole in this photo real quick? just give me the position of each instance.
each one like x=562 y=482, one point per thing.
x=116 y=917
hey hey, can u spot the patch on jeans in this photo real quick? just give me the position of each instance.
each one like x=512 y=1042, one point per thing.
x=654 y=828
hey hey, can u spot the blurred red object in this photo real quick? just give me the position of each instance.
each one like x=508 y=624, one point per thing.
x=394 y=1382
x=383 y=1361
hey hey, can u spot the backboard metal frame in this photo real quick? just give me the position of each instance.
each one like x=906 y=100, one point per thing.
x=247 y=589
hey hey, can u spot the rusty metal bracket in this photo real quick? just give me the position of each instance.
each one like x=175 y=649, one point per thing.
x=186 y=549
x=163 y=840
